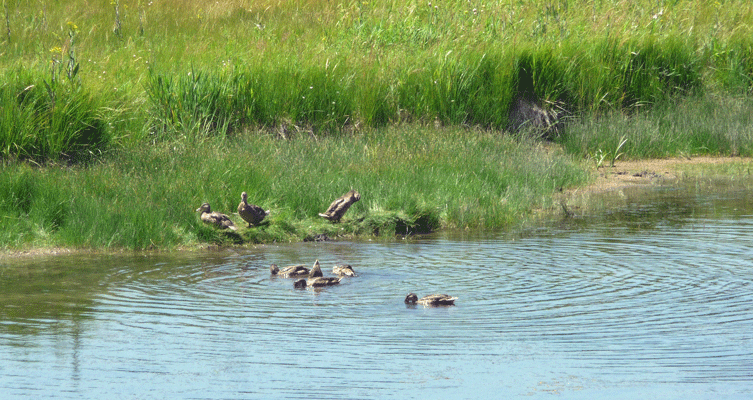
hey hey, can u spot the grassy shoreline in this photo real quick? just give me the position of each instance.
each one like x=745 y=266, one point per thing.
x=585 y=199
x=411 y=180
x=119 y=119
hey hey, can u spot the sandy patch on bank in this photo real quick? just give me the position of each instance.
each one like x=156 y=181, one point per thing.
x=648 y=172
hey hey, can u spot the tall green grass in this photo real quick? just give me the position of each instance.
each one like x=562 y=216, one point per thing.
x=152 y=72
x=698 y=125
x=411 y=180
x=160 y=106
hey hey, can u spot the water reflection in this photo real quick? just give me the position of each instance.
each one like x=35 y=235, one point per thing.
x=651 y=301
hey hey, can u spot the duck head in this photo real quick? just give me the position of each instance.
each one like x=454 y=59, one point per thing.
x=411 y=298
x=300 y=284
x=354 y=196
x=274 y=269
x=244 y=197
x=204 y=208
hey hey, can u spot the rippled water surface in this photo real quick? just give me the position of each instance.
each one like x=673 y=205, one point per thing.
x=651 y=301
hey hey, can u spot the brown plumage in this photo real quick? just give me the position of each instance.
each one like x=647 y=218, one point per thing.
x=250 y=213
x=338 y=207
x=291 y=271
x=431 y=300
x=316 y=270
x=219 y=220
x=343 y=270
x=316 y=278
x=316 y=282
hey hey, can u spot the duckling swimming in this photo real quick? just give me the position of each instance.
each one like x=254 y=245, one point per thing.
x=431 y=300
x=316 y=282
x=343 y=270
x=338 y=207
x=250 y=213
x=291 y=271
x=219 y=220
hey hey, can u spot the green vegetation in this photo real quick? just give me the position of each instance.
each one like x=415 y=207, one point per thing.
x=119 y=118
x=412 y=180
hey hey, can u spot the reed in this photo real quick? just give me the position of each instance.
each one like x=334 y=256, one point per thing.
x=697 y=125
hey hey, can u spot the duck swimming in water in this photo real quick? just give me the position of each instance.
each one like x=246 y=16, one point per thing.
x=219 y=220
x=292 y=271
x=343 y=270
x=316 y=278
x=431 y=300
x=316 y=282
x=316 y=270
x=338 y=207
x=250 y=213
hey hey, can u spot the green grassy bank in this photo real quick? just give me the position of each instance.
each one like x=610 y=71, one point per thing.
x=411 y=180
x=82 y=77
x=118 y=118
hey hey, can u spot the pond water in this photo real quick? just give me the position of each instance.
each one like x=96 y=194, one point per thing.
x=650 y=300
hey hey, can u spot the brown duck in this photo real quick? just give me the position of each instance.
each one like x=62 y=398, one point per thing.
x=316 y=282
x=291 y=271
x=343 y=270
x=250 y=213
x=316 y=278
x=219 y=220
x=431 y=300
x=338 y=207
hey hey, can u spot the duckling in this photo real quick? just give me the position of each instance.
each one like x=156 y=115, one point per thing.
x=316 y=278
x=250 y=213
x=316 y=282
x=291 y=271
x=343 y=270
x=431 y=300
x=338 y=207
x=219 y=220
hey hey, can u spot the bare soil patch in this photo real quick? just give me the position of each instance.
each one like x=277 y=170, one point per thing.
x=648 y=172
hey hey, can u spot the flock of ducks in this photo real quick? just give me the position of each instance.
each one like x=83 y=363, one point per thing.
x=316 y=279
x=254 y=214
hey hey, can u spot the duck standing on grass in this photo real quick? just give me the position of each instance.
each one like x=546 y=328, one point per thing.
x=250 y=213
x=432 y=300
x=338 y=207
x=219 y=220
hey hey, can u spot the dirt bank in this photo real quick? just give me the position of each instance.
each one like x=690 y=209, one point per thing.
x=649 y=172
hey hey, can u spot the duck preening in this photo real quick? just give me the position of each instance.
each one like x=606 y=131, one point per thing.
x=338 y=207
x=431 y=300
x=219 y=220
x=250 y=213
